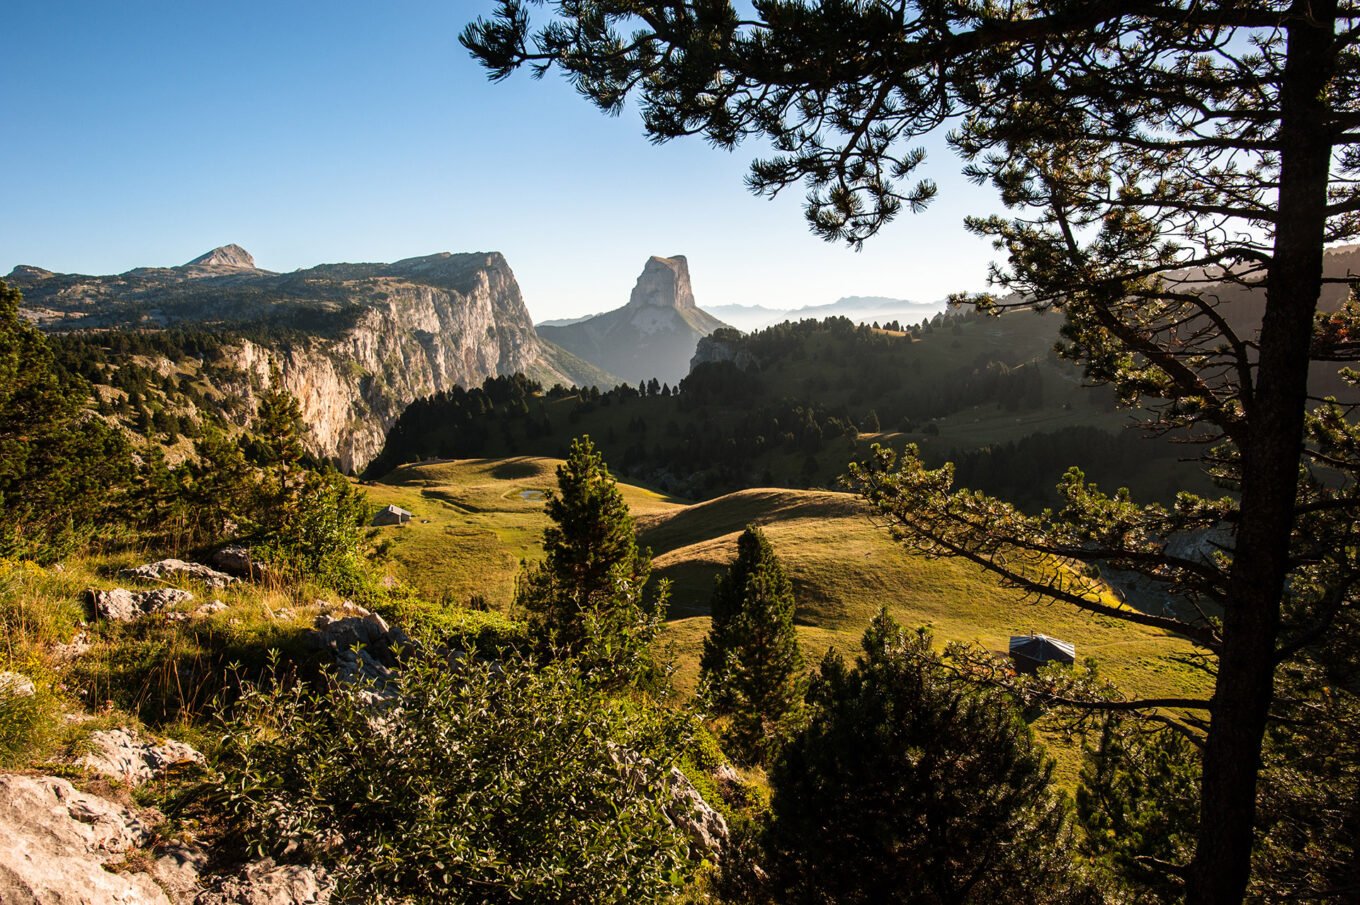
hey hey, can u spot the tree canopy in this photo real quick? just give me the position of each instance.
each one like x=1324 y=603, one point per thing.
x=1174 y=171
x=907 y=786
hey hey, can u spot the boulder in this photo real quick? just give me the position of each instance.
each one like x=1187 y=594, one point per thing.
x=239 y=561
x=124 y=755
x=122 y=605
x=55 y=842
x=365 y=647
x=166 y=569
x=208 y=609
x=684 y=806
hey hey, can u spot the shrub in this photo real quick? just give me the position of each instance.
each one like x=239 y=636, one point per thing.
x=485 y=782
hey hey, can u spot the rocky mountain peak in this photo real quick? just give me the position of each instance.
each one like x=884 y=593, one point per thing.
x=664 y=283
x=233 y=256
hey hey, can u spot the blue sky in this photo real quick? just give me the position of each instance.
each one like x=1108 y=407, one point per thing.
x=145 y=133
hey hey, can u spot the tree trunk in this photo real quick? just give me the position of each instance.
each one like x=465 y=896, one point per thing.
x=1270 y=461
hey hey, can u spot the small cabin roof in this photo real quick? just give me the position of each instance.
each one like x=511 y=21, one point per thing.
x=1043 y=648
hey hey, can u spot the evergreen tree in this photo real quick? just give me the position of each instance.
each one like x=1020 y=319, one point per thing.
x=908 y=786
x=750 y=671
x=1174 y=170
x=63 y=471
x=585 y=600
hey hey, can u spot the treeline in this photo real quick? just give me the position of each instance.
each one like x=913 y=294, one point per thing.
x=788 y=406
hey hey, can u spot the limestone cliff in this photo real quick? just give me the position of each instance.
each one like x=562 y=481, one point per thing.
x=654 y=335
x=355 y=343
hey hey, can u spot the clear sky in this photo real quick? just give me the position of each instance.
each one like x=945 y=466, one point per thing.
x=145 y=133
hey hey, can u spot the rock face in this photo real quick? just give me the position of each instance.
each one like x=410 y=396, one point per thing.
x=55 y=841
x=723 y=346
x=654 y=335
x=355 y=343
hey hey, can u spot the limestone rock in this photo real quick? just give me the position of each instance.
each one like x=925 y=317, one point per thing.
x=55 y=842
x=365 y=646
x=369 y=338
x=685 y=807
x=719 y=347
x=208 y=609
x=654 y=335
x=239 y=561
x=175 y=568
x=16 y=685
x=122 y=605
x=267 y=883
x=124 y=755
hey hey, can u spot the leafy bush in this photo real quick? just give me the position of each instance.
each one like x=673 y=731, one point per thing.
x=479 y=782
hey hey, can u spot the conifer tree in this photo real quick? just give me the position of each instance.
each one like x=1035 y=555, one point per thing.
x=62 y=469
x=585 y=600
x=1174 y=172
x=751 y=666
x=908 y=786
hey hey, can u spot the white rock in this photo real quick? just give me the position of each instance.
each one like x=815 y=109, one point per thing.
x=16 y=685
x=55 y=841
x=267 y=883
x=176 y=568
x=122 y=605
x=123 y=755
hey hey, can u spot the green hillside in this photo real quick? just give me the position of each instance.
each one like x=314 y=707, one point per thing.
x=474 y=520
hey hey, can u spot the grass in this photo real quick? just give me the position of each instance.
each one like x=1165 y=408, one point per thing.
x=473 y=527
x=474 y=521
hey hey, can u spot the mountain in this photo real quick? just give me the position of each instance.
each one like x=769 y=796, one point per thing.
x=862 y=309
x=355 y=343
x=654 y=335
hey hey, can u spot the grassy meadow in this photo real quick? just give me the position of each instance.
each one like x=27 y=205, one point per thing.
x=476 y=519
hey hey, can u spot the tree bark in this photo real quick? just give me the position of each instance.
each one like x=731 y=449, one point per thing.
x=1270 y=462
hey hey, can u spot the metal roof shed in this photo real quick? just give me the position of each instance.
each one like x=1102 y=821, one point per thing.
x=1032 y=651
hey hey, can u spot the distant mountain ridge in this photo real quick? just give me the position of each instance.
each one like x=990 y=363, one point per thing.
x=862 y=309
x=355 y=343
x=653 y=336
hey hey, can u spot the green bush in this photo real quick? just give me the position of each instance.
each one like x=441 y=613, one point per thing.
x=477 y=782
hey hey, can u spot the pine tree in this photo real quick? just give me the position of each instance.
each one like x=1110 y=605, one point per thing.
x=585 y=600
x=63 y=471
x=908 y=786
x=751 y=666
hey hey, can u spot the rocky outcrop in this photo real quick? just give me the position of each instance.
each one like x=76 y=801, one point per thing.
x=16 y=685
x=654 y=335
x=62 y=846
x=55 y=844
x=127 y=757
x=240 y=562
x=354 y=343
x=720 y=347
x=167 y=569
x=122 y=605
x=365 y=647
